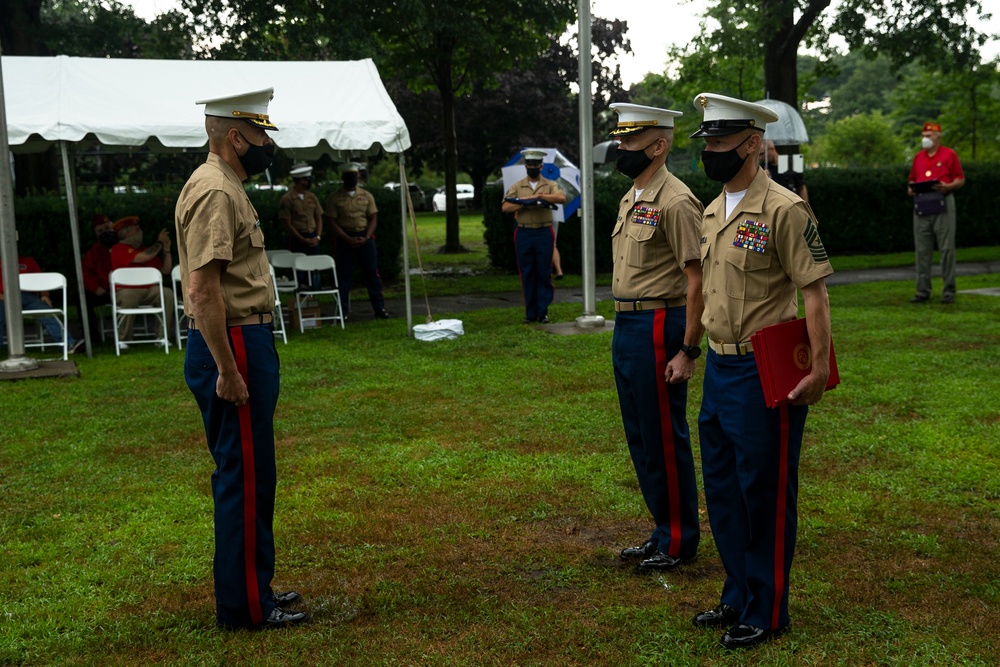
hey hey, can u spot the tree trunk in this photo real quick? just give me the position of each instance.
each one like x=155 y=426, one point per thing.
x=446 y=88
x=781 y=77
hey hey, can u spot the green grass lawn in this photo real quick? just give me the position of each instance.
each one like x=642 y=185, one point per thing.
x=463 y=502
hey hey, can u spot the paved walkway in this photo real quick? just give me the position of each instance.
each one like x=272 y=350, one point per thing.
x=446 y=306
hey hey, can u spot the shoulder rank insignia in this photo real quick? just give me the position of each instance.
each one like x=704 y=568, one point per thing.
x=752 y=235
x=646 y=215
x=814 y=242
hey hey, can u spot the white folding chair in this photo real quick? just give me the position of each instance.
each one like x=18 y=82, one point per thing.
x=105 y=318
x=138 y=277
x=279 y=315
x=47 y=282
x=180 y=332
x=321 y=263
x=277 y=251
x=283 y=266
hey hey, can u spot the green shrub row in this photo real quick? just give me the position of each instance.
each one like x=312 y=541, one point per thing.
x=44 y=233
x=860 y=211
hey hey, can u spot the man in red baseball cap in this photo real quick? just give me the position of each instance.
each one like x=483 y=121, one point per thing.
x=935 y=175
x=129 y=252
x=96 y=266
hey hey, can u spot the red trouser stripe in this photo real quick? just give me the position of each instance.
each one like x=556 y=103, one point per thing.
x=779 y=520
x=249 y=485
x=667 y=433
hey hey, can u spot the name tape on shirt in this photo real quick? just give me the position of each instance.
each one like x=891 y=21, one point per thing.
x=646 y=215
x=752 y=235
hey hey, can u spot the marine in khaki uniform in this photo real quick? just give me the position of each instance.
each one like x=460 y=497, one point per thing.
x=353 y=217
x=760 y=244
x=531 y=200
x=231 y=364
x=300 y=212
x=656 y=285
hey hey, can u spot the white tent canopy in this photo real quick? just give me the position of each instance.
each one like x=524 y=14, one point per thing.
x=340 y=108
x=336 y=108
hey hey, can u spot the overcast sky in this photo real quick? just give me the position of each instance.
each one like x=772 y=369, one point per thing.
x=653 y=25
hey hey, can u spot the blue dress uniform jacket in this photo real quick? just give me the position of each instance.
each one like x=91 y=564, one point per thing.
x=752 y=263
x=216 y=221
x=654 y=237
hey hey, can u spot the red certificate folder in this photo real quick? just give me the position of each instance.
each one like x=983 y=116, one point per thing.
x=784 y=357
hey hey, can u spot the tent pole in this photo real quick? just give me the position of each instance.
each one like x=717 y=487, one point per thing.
x=69 y=176
x=589 y=319
x=403 y=191
x=8 y=255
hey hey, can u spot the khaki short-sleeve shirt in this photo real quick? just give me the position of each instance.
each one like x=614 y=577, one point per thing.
x=351 y=213
x=654 y=237
x=215 y=220
x=753 y=262
x=300 y=212
x=533 y=216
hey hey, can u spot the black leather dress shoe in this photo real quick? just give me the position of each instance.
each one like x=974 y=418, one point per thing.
x=281 y=618
x=745 y=636
x=721 y=615
x=287 y=598
x=660 y=562
x=644 y=551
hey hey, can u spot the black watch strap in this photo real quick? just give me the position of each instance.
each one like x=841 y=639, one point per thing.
x=692 y=351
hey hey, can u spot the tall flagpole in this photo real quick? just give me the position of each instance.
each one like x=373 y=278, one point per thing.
x=589 y=318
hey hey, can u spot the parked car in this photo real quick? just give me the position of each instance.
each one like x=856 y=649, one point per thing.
x=416 y=195
x=463 y=191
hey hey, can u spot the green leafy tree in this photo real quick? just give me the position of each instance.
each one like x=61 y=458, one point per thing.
x=863 y=140
x=771 y=32
x=966 y=103
x=531 y=105
x=451 y=46
x=447 y=46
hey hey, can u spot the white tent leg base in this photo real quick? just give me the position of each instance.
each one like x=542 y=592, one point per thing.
x=18 y=364
x=590 y=321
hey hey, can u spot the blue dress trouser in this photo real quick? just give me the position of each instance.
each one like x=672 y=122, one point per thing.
x=31 y=301
x=365 y=256
x=750 y=464
x=534 y=262
x=656 y=428
x=241 y=441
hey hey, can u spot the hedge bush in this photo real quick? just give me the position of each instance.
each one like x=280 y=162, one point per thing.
x=860 y=211
x=43 y=224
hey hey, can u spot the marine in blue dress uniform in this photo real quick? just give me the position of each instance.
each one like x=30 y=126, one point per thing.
x=759 y=245
x=534 y=239
x=658 y=302
x=231 y=365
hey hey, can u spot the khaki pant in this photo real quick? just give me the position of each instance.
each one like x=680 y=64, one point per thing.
x=926 y=230
x=133 y=297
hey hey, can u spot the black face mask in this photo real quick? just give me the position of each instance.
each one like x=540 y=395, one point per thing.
x=257 y=158
x=350 y=180
x=108 y=239
x=723 y=166
x=633 y=163
x=533 y=172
